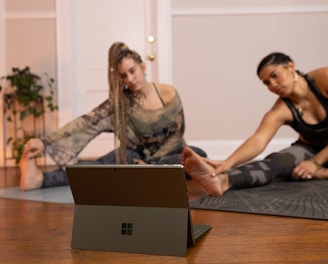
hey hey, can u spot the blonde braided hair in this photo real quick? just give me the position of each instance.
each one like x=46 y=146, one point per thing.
x=117 y=52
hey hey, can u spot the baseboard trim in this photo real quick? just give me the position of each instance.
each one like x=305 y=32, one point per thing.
x=221 y=149
x=215 y=149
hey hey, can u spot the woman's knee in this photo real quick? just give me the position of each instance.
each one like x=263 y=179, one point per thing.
x=199 y=151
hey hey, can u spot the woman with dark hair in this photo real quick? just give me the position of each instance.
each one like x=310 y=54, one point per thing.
x=302 y=103
x=146 y=118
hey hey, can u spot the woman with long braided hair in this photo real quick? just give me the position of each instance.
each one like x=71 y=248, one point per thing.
x=146 y=118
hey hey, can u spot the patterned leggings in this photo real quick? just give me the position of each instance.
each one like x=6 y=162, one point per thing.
x=59 y=178
x=276 y=166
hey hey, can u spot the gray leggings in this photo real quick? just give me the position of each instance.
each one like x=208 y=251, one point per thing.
x=276 y=166
x=59 y=178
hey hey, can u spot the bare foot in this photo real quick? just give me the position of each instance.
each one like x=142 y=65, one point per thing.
x=201 y=172
x=31 y=176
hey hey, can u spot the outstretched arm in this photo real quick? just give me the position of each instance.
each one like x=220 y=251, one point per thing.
x=256 y=143
x=67 y=142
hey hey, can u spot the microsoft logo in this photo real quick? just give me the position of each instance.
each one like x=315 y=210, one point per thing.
x=126 y=229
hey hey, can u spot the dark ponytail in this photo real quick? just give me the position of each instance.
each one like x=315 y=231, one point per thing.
x=275 y=58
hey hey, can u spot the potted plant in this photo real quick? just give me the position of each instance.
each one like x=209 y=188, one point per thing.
x=25 y=96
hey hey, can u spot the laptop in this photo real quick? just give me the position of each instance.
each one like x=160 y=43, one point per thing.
x=132 y=208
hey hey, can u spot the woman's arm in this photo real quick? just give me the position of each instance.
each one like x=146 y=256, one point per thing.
x=312 y=167
x=318 y=160
x=320 y=77
x=256 y=143
x=67 y=142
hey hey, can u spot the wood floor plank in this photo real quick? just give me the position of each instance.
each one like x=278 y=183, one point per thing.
x=37 y=232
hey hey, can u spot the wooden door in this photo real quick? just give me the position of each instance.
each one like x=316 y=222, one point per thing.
x=86 y=29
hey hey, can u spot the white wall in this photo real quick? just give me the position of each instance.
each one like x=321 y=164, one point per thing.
x=216 y=46
x=208 y=49
x=28 y=38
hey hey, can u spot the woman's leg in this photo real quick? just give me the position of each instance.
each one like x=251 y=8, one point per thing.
x=278 y=165
x=30 y=175
x=274 y=166
x=201 y=172
x=59 y=177
x=33 y=178
x=175 y=157
x=54 y=178
x=110 y=158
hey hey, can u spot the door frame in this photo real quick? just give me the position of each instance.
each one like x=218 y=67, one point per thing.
x=66 y=52
x=164 y=35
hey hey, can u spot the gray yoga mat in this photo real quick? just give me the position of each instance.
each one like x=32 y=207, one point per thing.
x=53 y=195
x=303 y=199
x=294 y=199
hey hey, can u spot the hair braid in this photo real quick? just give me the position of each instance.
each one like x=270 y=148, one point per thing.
x=117 y=98
x=117 y=53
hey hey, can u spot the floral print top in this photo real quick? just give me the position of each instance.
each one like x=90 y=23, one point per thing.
x=151 y=133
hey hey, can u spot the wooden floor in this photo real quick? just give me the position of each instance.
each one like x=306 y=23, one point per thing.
x=36 y=232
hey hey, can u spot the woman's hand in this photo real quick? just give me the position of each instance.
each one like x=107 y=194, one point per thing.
x=33 y=147
x=307 y=170
x=218 y=166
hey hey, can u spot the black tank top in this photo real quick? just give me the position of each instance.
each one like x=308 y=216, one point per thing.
x=316 y=134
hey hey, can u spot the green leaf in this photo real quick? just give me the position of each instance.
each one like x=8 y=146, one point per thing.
x=33 y=97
